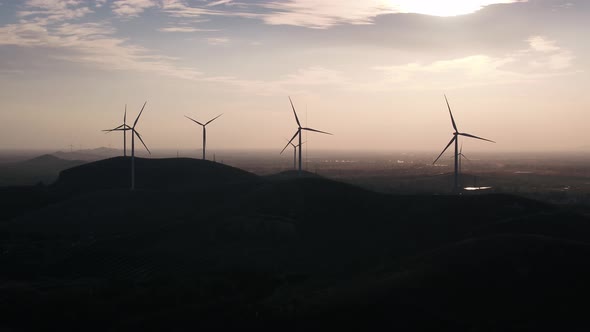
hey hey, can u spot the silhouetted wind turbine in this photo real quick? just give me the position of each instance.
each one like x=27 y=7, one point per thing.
x=204 y=130
x=134 y=133
x=461 y=157
x=126 y=127
x=294 y=151
x=298 y=132
x=455 y=139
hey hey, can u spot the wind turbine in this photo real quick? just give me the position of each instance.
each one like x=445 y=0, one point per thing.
x=298 y=132
x=294 y=151
x=461 y=157
x=204 y=130
x=125 y=127
x=455 y=139
x=134 y=133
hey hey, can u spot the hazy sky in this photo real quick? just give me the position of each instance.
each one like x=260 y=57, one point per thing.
x=372 y=72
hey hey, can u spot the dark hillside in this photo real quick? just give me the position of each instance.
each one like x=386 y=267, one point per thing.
x=153 y=174
x=201 y=243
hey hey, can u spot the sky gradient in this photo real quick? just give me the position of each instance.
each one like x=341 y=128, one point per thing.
x=371 y=72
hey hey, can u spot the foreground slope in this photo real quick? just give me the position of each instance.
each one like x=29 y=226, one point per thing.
x=207 y=245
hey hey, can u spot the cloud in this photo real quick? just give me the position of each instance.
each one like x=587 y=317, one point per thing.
x=99 y=3
x=324 y=14
x=47 y=11
x=541 y=60
x=54 y=27
x=301 y=81
x=178 y=8
x=131 y=8
x=321 y=14
x=92 y=43
x=539 y=43
x=218 y=41
x=184 y=29
x=552 y=56
x=219 y=2
x=461 y=72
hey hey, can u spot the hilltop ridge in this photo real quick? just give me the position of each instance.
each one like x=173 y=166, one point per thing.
x=155 y=174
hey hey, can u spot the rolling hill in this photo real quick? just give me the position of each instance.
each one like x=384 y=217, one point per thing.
x=206 y=245
x=43 y=169
x=152 y=174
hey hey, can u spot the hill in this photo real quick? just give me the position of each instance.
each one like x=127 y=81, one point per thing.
x=89 y=154
x=153 y=174
x=45 y=168
x=221 y=247
x=501 y=282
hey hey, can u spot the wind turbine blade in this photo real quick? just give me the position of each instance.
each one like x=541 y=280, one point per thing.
x=462 y=155
x=194 y=120
x=125 y=115
x=445 y=149
x=283 y=150
x=113 y=128
x=293 y=107
x=117 y=129
x=317 y=131
x=142 y=142
x=451 y=113
x=473 y=136
x=208 y=122
x=291 y=140
x=137 y=119
x=286 y=139
x=461 y=150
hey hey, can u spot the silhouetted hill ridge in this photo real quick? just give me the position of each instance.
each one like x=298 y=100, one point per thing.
x=153 y=174
x=298 y=248
x=44 y=168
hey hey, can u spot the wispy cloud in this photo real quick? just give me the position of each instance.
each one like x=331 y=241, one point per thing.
x=219 y=2
x=302 y=81
x=178 y=8
x=541 y=60
x=99 y=3
x=319 y=14
x=46 y=11
x=92 y=43
x=52 y=25
x=539 y=43
x=184 y=29
x=218 y=41
x=553 y=57
x=324 y=14
x=131 y=8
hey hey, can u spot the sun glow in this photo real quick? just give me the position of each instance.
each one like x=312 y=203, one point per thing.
x=444 y=8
